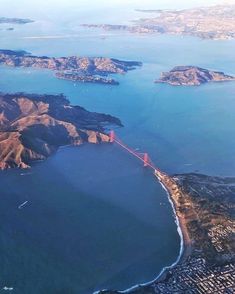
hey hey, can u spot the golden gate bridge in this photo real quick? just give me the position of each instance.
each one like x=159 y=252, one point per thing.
x=144 y=157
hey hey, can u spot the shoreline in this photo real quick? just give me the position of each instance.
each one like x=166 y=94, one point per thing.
x=185 y=241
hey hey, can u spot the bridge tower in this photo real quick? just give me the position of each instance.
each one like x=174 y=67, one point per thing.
x=112 y=136
x=146 y=159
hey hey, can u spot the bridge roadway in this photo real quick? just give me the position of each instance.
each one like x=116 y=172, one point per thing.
x=144 y=157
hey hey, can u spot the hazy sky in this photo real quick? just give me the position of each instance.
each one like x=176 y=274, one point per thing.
x=27 y=8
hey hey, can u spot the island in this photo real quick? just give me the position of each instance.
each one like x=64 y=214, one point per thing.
x=192 y=76
x=205 y=211
x=116 y=27
x=32 y=127
x=81 y=69
x=212 y=22
x=15 y=20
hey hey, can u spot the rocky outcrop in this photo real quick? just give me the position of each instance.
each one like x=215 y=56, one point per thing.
x=192 y=76
x=32 y=127
x=83 y=67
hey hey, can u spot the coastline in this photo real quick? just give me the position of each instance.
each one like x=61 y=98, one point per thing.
x=185 y=241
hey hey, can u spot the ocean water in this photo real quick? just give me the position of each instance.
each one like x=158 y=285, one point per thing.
x=95 y=218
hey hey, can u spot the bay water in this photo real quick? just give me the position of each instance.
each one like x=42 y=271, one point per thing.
x=95 y=218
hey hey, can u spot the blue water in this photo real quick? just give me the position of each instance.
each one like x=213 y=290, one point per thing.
x=95 y=218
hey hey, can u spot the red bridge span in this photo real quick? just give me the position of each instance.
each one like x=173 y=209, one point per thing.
x=143 y=157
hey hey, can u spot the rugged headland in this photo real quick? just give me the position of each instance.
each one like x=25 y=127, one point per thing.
x=32 y=127
x=81 y=69
x=214 y=22
x=192 y=76
x=205 y=209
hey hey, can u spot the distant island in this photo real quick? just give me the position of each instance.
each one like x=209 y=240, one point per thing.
x=32 y=127
x=205 y=209
x=81 y=69
x=15 y=20
x=214 y=22
x=192 y=76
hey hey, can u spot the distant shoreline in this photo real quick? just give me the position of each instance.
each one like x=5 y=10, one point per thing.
x=215 y=22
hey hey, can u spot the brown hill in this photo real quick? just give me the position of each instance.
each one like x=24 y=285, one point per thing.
x=192 y=76
x=75 y=68
x=34 y=126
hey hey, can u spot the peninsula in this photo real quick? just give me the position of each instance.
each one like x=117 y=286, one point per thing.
x=32 y=127
x=78 y=77
x=83 y=69
x=213 y=22
x=192 y=76
x=205 y=210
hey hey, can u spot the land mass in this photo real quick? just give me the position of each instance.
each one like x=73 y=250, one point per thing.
x=214 y=22
x=15 y=20
x=152 y=10
x=81 y=69
x=32 y=127
x=116 y=27
x=192 y=76
x=77 y=77
x=205 y=209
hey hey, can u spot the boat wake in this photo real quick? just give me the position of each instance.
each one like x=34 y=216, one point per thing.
x=22 y=205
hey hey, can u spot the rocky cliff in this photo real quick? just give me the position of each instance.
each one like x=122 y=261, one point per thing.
x=32 y=127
